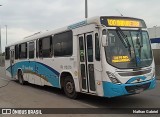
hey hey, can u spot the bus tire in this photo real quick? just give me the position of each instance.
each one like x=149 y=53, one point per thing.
x=69 y=88
x=20 y=78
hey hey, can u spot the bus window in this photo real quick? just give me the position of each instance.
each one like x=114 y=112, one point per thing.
x=23 y=51
x=81 y=47
x=7 y=53
x=16 y=51
x=31 y=50
x=63 y=44
x=45 y=47
x=37 y=48
x=97 y=49
x=90 y=48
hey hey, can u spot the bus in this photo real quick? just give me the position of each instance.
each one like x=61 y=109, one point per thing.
x=106 y=56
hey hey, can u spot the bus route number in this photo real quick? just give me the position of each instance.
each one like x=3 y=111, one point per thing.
x=66 y=67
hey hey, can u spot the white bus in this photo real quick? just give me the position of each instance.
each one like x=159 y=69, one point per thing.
x=105 y=56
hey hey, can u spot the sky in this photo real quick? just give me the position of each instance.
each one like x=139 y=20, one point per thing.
x=26 y=17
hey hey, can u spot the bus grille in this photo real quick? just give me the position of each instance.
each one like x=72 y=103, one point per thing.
x=136 y=88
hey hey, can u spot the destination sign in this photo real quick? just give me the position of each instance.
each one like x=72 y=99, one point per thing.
x=123 y=22
x=119 y=59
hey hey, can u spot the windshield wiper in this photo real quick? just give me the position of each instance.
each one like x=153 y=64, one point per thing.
x=139 y=41
x=140 y=32
x=123 y=39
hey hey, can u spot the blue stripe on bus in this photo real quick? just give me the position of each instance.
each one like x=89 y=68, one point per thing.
x=53 y=70
x=49 y=73
x=114 y=90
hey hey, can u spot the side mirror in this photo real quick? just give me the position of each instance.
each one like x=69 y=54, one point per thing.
x=104 y=41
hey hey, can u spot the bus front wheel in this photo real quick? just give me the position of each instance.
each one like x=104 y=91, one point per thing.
x=69 y=88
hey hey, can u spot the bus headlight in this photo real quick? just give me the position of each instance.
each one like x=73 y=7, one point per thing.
x=113 y=78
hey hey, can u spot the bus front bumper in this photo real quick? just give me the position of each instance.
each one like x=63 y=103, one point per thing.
x=114 y=90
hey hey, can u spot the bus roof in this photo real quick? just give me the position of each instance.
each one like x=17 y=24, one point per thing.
x=98 y=20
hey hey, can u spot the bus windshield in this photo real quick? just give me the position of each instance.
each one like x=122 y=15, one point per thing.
x=128 y=49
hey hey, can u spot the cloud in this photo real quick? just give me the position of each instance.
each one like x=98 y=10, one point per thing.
x=25 y=17
x=14 y=35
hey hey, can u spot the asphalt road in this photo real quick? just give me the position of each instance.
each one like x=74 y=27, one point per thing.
x=14 y=95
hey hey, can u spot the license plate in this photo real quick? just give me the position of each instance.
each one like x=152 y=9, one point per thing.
x=139 y=90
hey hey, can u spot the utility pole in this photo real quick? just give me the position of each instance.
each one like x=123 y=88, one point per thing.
x=86 y=9
x=6 y=34
x=0 y=41
x=155 y=31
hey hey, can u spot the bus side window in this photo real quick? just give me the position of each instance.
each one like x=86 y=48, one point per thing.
x=97 y=48
x=16 y=52
x=23 y=51
x=63 y=44
x=7 y=53
x=31 y=50
x=40 y=47
x=19 y=56
x=37 y=48
x=45 y=47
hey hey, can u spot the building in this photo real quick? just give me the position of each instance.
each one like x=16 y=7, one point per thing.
x=154 y=34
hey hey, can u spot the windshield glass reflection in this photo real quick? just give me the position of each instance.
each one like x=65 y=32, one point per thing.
x=130 y=51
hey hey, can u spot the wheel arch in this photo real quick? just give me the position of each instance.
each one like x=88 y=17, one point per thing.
x=75 y=79
x=62 y=77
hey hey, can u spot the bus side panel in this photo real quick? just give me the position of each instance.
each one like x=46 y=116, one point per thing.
x=45 y=72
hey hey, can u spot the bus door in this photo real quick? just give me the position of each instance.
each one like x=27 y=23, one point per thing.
x=11 y=61
x=86 y=62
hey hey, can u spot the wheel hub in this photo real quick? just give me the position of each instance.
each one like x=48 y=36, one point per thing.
x=69 y=87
